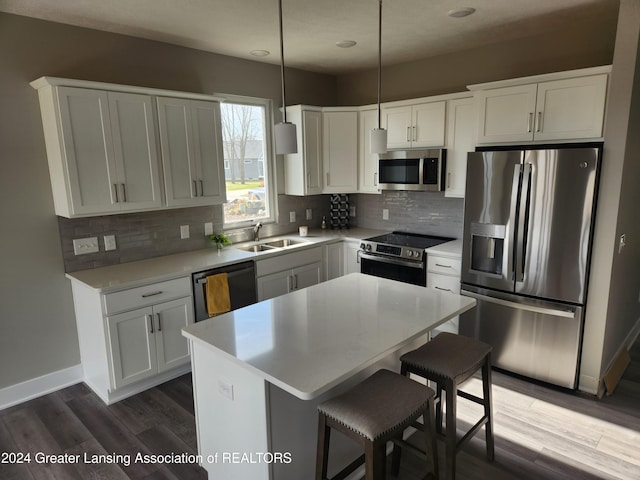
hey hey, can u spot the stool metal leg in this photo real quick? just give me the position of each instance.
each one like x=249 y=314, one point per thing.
x=431 y=443
x=322 y=452
x=451 y=442
x=486 y=389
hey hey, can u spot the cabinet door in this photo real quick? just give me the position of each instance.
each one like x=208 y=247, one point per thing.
x=351 y=257
x=170 y=317
x=312 y=151
x=367 y=161
x=428 y=124
x=340 y=151
x=334 y=256
x=178 y=158
x=506 y=114
x=571 y=108
x=461 y=139
x=133 y=346
x=134 y=146
x=397 y=121
x=274 y=285
x=307 y=275
x=209 y=159
x=88 y=150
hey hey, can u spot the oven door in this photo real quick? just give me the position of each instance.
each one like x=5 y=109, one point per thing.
x=393 y=269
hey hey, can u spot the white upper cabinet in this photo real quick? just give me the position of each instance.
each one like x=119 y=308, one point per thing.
x=563 y=109
x=192 y=157
x=413 y=126
x=367 y=161
x=461 y=139
x=303 y=170
x=340 y=151
x=101 y=148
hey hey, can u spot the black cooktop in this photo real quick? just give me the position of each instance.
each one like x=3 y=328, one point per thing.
x=408 y=239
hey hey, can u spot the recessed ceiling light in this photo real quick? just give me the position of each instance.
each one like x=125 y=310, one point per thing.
x=461 y=12
x=346 y=43
x=260 y=53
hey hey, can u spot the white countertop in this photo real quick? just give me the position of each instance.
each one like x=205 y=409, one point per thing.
x=449 y=249
x=310 y=340
x=127 y=275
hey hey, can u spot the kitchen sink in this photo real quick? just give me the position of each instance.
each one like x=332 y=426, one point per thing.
x=266 y=246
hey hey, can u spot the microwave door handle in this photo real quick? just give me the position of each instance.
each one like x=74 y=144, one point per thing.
x=513 y=216
x=523 y=219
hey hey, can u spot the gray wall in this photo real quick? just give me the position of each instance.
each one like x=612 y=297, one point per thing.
x=38 y=333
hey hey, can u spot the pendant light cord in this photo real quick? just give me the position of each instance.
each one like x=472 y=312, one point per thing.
x=284 y=106
x=379 y=59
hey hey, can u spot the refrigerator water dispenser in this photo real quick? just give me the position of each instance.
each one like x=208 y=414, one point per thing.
x=487 y=248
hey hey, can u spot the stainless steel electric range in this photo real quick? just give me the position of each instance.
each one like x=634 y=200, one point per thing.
x=398 y=256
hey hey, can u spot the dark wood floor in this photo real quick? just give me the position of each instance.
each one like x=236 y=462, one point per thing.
x=541 y=433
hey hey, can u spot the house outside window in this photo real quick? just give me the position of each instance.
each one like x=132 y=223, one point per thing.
x=246 y=138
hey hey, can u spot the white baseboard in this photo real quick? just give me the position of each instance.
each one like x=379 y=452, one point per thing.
x=36 y=387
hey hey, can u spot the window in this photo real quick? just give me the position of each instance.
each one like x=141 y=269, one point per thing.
x=247 y=149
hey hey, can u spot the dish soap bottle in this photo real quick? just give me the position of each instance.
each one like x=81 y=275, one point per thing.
x=324 y=223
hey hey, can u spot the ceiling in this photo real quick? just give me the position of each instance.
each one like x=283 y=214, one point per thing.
x=412 y=29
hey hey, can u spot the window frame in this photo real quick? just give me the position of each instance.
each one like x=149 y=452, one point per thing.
x=269 y=162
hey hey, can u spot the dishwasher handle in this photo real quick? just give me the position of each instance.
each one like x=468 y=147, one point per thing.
x=201 y=278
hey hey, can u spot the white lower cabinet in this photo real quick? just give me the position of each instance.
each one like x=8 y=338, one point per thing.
x=334 y=260
x=148 y=341
x=282 y=274
x=351 y=257
x=443 y=273
x=131 y=340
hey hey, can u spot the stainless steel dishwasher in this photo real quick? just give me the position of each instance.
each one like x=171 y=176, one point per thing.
x=242 y=287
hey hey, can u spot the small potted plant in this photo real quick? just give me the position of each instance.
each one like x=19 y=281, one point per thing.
x=220 y=239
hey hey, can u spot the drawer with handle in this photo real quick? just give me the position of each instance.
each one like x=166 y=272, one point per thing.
x=444 y=265
x=443 y=282
x=146 y=295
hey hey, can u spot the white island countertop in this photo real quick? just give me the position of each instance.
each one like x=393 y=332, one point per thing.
x=310 y=340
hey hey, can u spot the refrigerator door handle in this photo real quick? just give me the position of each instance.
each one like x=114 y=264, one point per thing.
x=513 y=214
x=523 y=220
x=521 y=306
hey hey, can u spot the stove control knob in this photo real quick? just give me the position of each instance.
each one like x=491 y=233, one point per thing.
x=368 y=247
x=362 y=246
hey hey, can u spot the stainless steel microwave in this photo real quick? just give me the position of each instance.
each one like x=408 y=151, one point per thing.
x=419 y=170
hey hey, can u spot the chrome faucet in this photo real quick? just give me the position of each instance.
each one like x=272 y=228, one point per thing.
x=256 y=231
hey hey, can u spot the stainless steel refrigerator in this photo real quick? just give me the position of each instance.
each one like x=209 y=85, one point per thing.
x=528 y=222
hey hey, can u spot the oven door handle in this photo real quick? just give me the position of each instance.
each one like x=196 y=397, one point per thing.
x=393 y=261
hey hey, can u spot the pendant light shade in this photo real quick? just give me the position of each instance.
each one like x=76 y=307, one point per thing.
x=378 y=138
x=285 y=132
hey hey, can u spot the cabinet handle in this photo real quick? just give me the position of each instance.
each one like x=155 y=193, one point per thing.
x=328 y=179
x=443 y=289
x=295 y=282
x=150 y=322
x=159 y=322
x=124 y=192
x=375 y=179
x=443 y=266
x=448 y=179
x=539 y=122
x=290 y=282
x=115 y=190
x=151 y=294
x=529 y=122
x=408 y=134
x=195 y=188
x=201 y=188
x=414 y=133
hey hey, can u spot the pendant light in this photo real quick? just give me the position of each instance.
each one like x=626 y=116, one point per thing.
x=285 y=132
x=378 y=138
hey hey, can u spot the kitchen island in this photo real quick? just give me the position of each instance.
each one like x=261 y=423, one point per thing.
x=259 y=372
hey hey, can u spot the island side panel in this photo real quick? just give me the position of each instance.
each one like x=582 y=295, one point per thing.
x=231 y=416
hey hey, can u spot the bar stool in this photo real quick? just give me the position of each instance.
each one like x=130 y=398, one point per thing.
x=449 y=360
x=373 y=412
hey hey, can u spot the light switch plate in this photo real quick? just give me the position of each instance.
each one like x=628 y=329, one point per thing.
x=292 y=217
x=225 y=388
x=385 y=214
x=208 y=229
x=109 y=242
x=352 y=211
x=85 y=245
x=309 y=215
x=184 y=231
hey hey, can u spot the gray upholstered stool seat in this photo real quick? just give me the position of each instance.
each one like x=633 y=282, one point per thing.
x=449 y=360
x=373 y=412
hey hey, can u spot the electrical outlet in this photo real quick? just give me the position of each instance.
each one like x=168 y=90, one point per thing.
x=225 y=388
x=352 y=211
x=385 y=214
x=85 y=245
x=208 y=229
x=109 y=242
x=184 y=231
x=309 y=215
x=292 y=217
